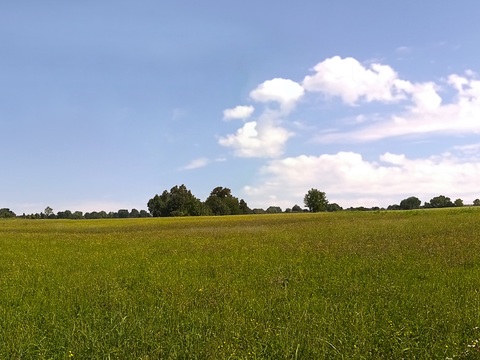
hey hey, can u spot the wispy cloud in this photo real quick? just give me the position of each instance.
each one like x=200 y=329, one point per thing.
x=403 y=50
x=200 y=163
x=196 y=164
x=426 y=113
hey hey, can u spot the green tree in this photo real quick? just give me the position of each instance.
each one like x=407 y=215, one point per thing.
x=134 y=213
x=476 y=202
x=158 y=205
x=178 y=202
x=92 y=215
x=334 y=207
x=144 y=214
x=77 y=215
x=458 y=202
x=222 y=202
x=183 y=202
x=67 y=214
x=440 y=201
x=315 y=200
x=6 y=213
x=274 y=210
x=123 y=213
x=217 y=206
x=48 y=211
x=410 y=203
x=394 y=207
x=296 y=208
x=244 y=209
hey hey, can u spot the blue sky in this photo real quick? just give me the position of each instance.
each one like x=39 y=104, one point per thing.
x=103 y=104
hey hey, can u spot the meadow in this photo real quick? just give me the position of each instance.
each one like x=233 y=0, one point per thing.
x=346 y=285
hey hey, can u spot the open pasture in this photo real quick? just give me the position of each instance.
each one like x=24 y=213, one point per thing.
x=347 y=285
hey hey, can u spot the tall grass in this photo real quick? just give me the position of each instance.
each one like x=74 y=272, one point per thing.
x=289 y=286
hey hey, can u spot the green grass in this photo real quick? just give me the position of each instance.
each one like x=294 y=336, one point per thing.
x=376 y=285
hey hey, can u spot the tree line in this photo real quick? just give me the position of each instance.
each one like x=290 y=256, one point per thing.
x=75 y=215
x=179 y=201
x=436 y=202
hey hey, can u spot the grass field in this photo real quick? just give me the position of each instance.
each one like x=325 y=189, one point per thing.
x=347 y=285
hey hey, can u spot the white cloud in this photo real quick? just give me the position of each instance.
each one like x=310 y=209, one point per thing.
x=350 y=180
x=351 y=81
x=285 y=92
x=403 y=50
x=469 y=150
x=196 y=163
x=425 y=98
x=265 y=137
x=201 y=162
x=407 y=108
x=257 y=139
x=427 y=114
x=238 y=112
x=468 y=89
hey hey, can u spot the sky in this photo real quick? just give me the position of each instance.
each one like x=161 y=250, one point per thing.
x=104 y=104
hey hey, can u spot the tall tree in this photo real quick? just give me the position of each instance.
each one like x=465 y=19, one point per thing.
x=77 y=215
x=244 y=209
x=222 y=202
x=67 y=214
x=6 y=213
x=217 y=206
x=178 y=202
x=144 y=214
x=123 y=213
x=410 y=203
x=315 y=200
x=440 y=201
x=334 y=207
x=296 y=208
x=158 y=204
x=134 y=213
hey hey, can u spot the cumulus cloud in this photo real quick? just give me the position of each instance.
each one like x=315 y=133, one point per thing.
x=239 y=112
x=265 y=137
x=261 y=139
x=425 y=98
x=285 y=92
x=351 y=81
x=468 y=89
x=350 y=180
x=408 y=108
x=427 y=114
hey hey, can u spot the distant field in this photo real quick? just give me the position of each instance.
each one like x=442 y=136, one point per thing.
x=347 y=285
